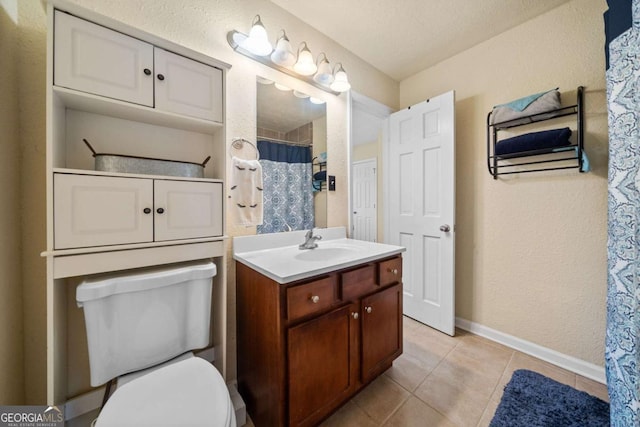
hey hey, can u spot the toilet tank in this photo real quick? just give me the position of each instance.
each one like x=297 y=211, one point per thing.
x=137 y=319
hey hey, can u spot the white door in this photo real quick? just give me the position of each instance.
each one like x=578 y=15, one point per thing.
x=422 y=207
x=95 y=59
x=188 y=87
x=365 y=191
x=101 y=210
x=185 y=209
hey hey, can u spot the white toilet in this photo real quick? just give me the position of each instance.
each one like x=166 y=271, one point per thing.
x=141 y=328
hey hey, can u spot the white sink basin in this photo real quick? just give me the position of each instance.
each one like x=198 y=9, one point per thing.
x=326 y=253
x=279 y=258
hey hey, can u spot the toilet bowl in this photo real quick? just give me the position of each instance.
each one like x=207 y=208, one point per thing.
x=187 y=392
x=141 y=328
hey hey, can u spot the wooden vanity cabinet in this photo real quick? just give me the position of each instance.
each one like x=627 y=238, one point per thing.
x=306 y=347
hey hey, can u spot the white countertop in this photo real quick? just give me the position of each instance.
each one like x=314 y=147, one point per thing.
x=278 y=257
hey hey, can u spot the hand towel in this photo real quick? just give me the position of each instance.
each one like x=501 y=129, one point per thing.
x=246 y=191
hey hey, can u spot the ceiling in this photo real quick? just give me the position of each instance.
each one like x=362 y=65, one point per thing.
x=403 y=37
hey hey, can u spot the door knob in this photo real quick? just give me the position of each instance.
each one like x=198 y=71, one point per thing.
x=445 y=228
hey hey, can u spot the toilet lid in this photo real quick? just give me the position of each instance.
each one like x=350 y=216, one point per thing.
x=186 y=393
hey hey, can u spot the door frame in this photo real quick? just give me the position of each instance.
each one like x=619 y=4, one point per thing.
x=381 y=111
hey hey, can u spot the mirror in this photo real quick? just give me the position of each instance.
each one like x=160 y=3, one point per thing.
x=291 y=137
x=367 y=171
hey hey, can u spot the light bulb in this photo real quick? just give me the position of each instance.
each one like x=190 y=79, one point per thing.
x=305 y=65
x=340 y=80
x=316 y=100
x=258 y=42
x=283 y=55
x=324 y=76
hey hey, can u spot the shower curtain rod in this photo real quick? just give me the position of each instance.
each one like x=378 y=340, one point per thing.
x=282 y=141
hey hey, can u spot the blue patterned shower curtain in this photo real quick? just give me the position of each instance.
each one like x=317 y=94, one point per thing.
x=622 y=353
x=288 y=194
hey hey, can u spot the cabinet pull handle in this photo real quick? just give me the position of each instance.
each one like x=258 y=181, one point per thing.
x=393 y=271
x=147 y=72
x=147 y=210
x=160 y=211
x=355 y=315
x=368 y=309
x=160 y=77
x=314 y=299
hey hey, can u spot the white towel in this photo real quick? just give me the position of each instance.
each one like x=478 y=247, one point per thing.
x=246 y=191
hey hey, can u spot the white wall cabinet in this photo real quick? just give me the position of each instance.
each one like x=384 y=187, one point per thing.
x=129 y=93
x=98 y=60
x=109 y=210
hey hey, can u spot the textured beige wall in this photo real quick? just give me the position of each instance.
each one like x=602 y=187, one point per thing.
x=530 y=249
x=200 y=25
x=11 y=325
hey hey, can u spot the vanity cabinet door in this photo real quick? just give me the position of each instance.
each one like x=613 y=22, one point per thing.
x=95 y=59
x=187 y=87
x=322 y=356
x=187 y=209
x=101 y=210
x=381 y=330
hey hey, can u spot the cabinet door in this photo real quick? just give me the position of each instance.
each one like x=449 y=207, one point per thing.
x=186 y=209
x=101 y=210
x=381 y=330
x=322 y=356
x=95 y=59
x=188 y=87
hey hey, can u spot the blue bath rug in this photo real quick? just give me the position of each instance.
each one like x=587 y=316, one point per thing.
x=533 y=400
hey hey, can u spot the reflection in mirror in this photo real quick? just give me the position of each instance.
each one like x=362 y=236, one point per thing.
x=292 y=141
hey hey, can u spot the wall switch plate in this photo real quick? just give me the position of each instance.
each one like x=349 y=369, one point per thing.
x=332 y=183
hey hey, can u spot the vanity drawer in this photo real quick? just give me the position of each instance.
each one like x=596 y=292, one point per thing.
x=356 y=283
x=312 y=297
x=390 y=271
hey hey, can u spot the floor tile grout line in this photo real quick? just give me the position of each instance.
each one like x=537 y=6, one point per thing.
x=496 y=386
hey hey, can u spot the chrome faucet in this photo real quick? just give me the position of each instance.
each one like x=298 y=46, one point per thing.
x=310 y=240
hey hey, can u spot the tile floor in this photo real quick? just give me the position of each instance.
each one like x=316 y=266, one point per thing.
x=440 y=381
x=446 y=381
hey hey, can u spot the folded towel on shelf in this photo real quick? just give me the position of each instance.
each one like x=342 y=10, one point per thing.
x=586 y=165
x=533 y=141
x=320 y=176
x=533 y=104
x=246 y=191
x=322 y=157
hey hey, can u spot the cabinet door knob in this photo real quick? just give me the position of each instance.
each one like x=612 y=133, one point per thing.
x=314 y=299
x=160 y=211
x=368 y=309
x=355 y=315
x=160 y=77
x=147 y=210
x=147 y=72
x=393 y=271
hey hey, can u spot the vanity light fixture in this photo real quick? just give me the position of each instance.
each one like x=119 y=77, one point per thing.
x=282 y=87
x=316 y=73
x=315 y=100
x=324 y=76
x=283 y=55
x=299 y=94
x=304 y=65
x=340 y=79
x=257 y=42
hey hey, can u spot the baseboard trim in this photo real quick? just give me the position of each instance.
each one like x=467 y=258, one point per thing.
x=570 y=363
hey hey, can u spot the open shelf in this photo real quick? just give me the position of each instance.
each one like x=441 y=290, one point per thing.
x=546 y=159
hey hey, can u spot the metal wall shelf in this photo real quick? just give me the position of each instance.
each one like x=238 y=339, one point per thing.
x=532 y=161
